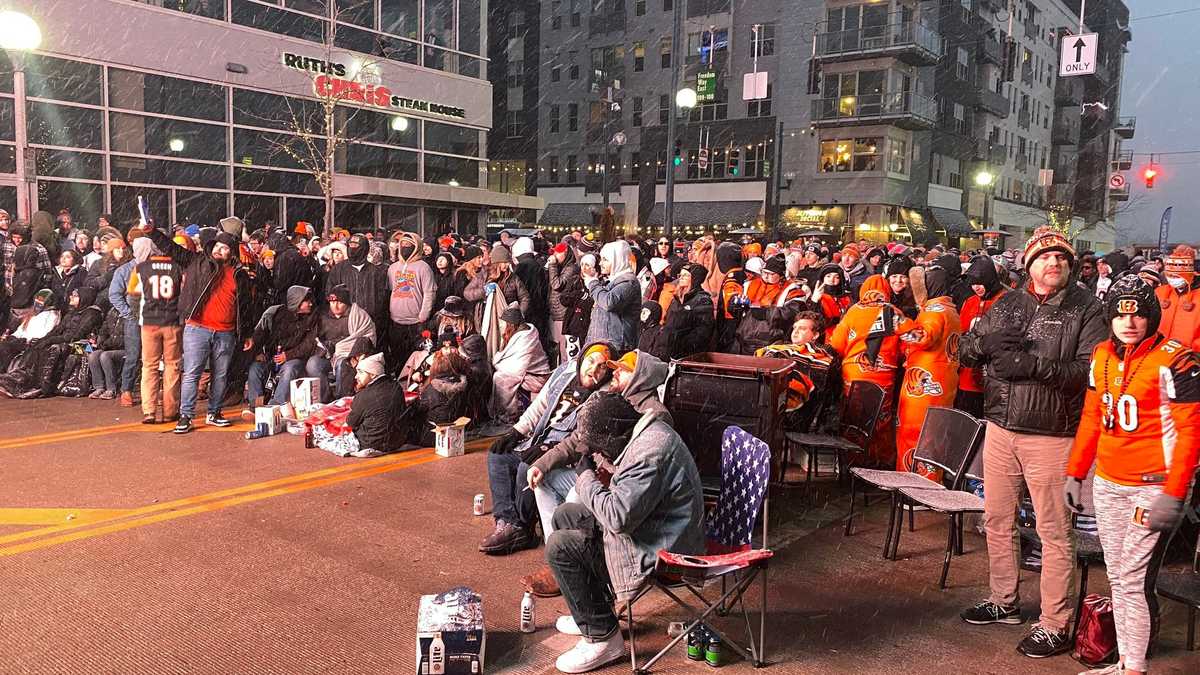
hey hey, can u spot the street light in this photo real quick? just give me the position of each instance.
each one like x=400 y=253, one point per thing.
x=984 y=180
x=19 y=34
x=686 y=98
x=399 y=123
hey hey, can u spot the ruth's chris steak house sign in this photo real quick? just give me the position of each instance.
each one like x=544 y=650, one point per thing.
x=331 y=81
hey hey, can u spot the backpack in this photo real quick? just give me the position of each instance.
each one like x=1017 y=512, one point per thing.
x=26 y=283
x=1096 y=638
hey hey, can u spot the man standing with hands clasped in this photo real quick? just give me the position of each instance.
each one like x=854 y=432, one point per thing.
x=1139 y=427
x=1034 y=346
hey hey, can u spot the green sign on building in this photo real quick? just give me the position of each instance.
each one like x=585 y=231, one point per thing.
x=706 y=86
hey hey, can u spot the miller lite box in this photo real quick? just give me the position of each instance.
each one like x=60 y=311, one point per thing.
x=271 y=416
x=305 y=396
x=448 y=439
x=450 y=633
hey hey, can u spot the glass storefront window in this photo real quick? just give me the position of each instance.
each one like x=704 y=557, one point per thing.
x=144 y=92
x=401 y=216
x=468 y=221
x=143 y=135
x=318 y=7
x=6 y=77
x=266 y=149
x=8 y=126
x=8 y=198
x=86 y=200
x=378 y=162
x=468 y=26
x=278 y=21
x=399 y=17
x=354 y=216
x=396 y=49
x=309 y=210
x=373 y=127
x=158 y=202
x=202 y=208
x=161 y=171
x=256 y=210
x=8 y=161
x=212 y=9
x=287 y=182
x=258 y=109
x=69 y=164
x=444 y=170
x=439 y=23
x=452 y=139
x=358 y=12
x=62 y=80
x=851 y=154
x=438 y=221
x=50 y=124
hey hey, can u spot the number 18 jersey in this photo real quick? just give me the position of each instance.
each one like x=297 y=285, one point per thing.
x=160 y=279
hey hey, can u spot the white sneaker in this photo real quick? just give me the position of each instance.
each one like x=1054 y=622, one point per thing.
x=1114 y=669
x=587 y=656
x=566 y=625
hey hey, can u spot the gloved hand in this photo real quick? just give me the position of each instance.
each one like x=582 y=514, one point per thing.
x=506 y=443
x=586 y=463
x=1164 y=513
x=1001 y=341
x=1073 y=493
x=490 y=287
x=1013 y=366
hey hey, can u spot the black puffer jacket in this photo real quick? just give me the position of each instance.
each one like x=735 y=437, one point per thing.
x=199 y=271
x=689 y=325
x=111 y=335
x=1060 y=334
x=377 y=416
x=566 y=286
x=77 y=324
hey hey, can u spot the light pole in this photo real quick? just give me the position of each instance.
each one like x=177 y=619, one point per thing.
x=984 y=180
x=20 y=34
x=685 y=99
x=677 y=59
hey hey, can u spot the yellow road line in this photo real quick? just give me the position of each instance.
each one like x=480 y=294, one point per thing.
x=214 y=505
x=36 y=516
x=72 y=434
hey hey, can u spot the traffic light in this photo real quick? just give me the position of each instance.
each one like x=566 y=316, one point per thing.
x=734 y=162
x=1149 y=174
x=678 y=153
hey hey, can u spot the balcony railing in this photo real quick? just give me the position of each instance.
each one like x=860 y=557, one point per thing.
x=992 y=153
x=991 y=51
x=909 y=41
x=905 y=109
x=1122 y=160
x=1068 y=91
x=1125 y=127
x=990 y=101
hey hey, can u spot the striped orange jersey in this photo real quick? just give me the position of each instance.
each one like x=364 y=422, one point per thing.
x=1141 y=416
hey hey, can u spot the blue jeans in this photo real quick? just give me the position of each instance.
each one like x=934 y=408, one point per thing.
x=133 y=355
x=575 y=553
x=315 y=366
x=198 y=345
x=319 y=367
x=106 y=368
x=511 y=502
x=556 y=488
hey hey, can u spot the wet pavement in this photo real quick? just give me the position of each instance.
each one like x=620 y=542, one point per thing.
x=126 y=549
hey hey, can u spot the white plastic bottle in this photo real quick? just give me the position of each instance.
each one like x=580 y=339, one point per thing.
x=437 y=656
x=527 y=620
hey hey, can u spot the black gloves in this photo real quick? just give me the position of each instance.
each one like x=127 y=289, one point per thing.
x=1073 y=493
x=1013 y=366
x=506 y=443
x=1001 y=341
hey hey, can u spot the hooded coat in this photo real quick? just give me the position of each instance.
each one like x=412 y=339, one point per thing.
x=566 y=286
x=368 y=283
x=411 y=285
x=287 y=331
x=479 y=377
x=981 y=271
x=444 y=284
x=65 y=281
x=41 y=224
x=292 y=269
x=617 y=302
x=520 y=364
x=652 y=335
x=689 y=323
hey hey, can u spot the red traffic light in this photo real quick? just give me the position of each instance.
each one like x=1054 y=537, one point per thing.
x=1149 y=174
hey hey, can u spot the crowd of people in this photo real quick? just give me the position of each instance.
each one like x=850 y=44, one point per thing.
x=565 y=345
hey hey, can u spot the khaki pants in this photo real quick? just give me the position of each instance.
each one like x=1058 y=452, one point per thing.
x=161 y=343
x=1040 y=462
x=560 y=339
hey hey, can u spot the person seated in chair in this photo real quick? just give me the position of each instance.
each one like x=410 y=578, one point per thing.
x=814 y=378
x=521 y=366
x=606 y=545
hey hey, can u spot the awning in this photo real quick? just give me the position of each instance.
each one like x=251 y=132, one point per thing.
x=575 y=215
x=709 y=214
x=955 y=222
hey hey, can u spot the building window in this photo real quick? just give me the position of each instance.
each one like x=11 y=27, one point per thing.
x=668 y=5
x=574 y=13
x=850 y=154
x=962 y=68
x=637 y=111
x=898 y=157
x=554 y=112
x=515 y=127
x=664 y=108
x=639 y=56
x=572 y=117
x=572 y=169
x=516 y=74
x=574 y=70
x=516 y=21
x=664 y=53
x=555 y=73
x=717 y=109
x=760 y=107
x=553 y=169
x=766 y=40
x=639 y=8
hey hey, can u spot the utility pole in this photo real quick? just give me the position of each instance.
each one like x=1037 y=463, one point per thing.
x=672 y=122
x=776 y=175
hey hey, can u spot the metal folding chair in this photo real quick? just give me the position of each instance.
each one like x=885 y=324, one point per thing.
x=745 y=473
x=1184 y=586
x=859 y=413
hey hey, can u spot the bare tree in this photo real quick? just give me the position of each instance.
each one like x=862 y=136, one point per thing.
x=1061 y=216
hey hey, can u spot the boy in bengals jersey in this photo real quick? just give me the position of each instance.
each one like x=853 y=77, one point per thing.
x=1139 y=427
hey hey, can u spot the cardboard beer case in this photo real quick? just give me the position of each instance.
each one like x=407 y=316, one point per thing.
x=450 y=634
x=448 y=439
x=305 y=395
x=270 y=415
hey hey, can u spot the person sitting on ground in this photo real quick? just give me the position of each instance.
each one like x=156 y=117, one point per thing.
x=37 y=323
x=443 y=397
x=548 y=420
x=479 y=379
x=339 y=325
x=42 y=361
x=290 y=342
x=608 y=543
x=68 y=276
x=377 y=413
x=520 y=366
x=107 y=356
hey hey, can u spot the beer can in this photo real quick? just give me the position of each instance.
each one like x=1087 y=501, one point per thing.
x=712 y=653
x=477 y=506
x=527 y=618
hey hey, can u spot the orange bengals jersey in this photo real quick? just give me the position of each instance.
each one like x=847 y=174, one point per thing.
x=1144 y=431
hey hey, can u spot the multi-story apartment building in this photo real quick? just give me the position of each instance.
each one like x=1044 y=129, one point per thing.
x=513 y=53
x=880 y=114
x=188 y=104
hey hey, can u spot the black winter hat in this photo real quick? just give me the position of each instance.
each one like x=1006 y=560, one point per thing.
x=651 y=313
x=699 y=274
x=899 y=265
x=1131 y=294
x=512 y=314
x=471 y=253
x=341 y=293
x=605 y=423
x=777 y=264
x=729 y=256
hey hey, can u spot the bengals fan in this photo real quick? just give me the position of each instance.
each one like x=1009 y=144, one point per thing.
x=1139 y=427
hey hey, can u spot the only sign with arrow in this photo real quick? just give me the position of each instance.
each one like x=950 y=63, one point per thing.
x=1078 y=55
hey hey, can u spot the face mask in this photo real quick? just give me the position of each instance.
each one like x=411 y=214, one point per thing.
x=1178 y=283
